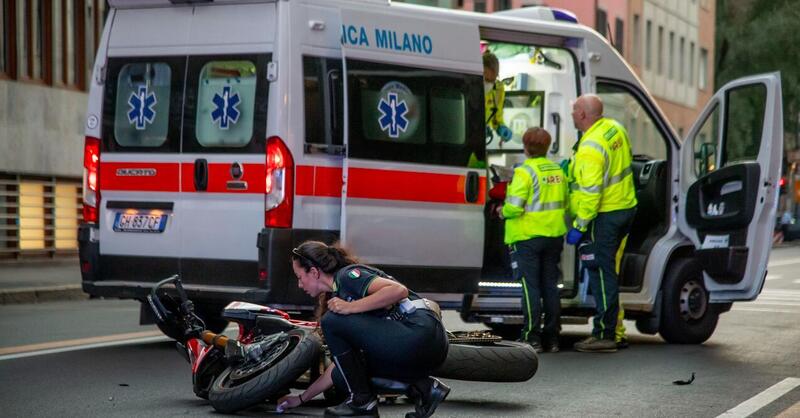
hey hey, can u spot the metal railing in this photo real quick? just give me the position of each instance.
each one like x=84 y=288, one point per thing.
x=39 y=216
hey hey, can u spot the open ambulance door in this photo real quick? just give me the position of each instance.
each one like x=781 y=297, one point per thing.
x=730 y=167
x=413 y=186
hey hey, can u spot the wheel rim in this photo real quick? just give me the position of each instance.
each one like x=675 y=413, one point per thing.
x=248 y=370
x=693 y=300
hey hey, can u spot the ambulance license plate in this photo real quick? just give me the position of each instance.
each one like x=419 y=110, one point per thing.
x=138 y=222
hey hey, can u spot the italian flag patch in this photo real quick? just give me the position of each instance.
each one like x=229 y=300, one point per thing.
x=354 y=273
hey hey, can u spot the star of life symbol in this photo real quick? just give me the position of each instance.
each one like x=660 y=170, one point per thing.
x=227 y=111
x=141 y=104
x=393 y=115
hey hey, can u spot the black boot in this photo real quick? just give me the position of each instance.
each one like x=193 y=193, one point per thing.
x=361 y=403
x=428 y=394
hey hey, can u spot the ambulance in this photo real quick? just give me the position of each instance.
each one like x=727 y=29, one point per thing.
x=221 y=134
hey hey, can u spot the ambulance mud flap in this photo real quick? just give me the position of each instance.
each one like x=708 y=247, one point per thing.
x=88 y=254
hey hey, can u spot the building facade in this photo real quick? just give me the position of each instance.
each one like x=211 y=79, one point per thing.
x=47 y=52
x=668 y=43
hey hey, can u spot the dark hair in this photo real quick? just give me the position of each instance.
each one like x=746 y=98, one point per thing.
x=536 y=142
x=490 y=61
x=327 y=258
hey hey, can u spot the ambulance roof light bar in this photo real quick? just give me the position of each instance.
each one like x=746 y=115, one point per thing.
x=552 y=14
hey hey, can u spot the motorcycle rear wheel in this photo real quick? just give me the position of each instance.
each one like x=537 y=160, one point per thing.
x=499 y=361
x=229 y=394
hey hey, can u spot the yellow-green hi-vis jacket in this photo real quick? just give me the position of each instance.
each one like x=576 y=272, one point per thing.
x=536 y=201
x=600 y=174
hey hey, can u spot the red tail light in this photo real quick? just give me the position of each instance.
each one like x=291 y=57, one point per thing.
x=91 y=179
x=279 y=185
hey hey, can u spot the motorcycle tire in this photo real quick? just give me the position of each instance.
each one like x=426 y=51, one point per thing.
x=228 y=396
x=503 y=361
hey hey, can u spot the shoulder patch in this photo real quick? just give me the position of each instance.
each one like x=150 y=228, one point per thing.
x=610 y=133
x=354 y=273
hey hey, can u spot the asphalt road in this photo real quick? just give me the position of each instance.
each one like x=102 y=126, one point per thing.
x=59 y=359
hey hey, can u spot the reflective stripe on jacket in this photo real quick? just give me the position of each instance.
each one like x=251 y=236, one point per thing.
x=601 y=178
x=495 y=99
x=536 y=201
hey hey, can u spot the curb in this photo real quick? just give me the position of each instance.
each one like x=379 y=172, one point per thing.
x=42 y=294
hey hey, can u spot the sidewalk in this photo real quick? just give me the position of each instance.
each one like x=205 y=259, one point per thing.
x=43 y=281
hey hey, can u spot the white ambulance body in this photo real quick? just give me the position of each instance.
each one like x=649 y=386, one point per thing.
x=221 y=134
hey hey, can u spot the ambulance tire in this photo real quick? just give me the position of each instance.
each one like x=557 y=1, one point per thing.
x=227 y=395
x=504 y=361
x=687 y=317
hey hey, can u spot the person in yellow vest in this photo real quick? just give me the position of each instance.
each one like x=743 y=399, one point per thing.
x=534 y=229
x=495 y=93
x=603 y=199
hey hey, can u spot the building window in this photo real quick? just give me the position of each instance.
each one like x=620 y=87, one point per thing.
x=671 y=63
x=502 y=5
x=601 y=22
x=682 y=59
x=8 y=47
x=660 y=50
x=619 y=35
x=479 y=6
x=702 y=76
x=637 y=42
x=691 y=63
x=648 y=63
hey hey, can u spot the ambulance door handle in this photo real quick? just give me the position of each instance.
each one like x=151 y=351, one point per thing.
x=200 y=174
x=471 y=189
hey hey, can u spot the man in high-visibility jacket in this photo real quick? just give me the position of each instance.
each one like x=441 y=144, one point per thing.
x=495 y=94
x=603 y=200
x=534 y=229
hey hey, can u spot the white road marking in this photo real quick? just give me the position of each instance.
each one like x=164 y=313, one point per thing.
x=774 y=276
x=796 y=281
x=766 y=310
x=84 y=347
x=763 y=399
x=787 y=262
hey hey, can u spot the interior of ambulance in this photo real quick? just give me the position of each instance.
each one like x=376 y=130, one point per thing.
x=540 y=84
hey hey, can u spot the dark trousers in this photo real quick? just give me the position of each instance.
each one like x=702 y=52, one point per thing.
x=607 y=231
x=406 y=350
x=537 y=261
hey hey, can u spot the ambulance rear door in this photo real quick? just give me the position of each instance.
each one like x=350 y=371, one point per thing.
x=730 y=168
x=414 y=190
x=223 y=154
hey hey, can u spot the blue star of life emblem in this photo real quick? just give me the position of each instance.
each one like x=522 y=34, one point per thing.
x=227 y=111
x=393 y=115
x=141 y=104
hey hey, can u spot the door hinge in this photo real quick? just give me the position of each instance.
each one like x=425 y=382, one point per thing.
x=272 y=71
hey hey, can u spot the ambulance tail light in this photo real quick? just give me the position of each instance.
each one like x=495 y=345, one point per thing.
x=91 y=179
x=279 y=185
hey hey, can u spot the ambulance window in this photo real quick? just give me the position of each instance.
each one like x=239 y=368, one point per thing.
x=620 y=104
x=323 y=104
x=705 y=145
x=744 y=120
x=225 y=103
x=142 y=104
x=535 y=80
x=415 y=115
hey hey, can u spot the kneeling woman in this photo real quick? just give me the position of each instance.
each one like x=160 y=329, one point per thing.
x=374 y=327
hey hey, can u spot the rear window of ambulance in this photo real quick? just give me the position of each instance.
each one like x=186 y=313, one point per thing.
x=142 y=104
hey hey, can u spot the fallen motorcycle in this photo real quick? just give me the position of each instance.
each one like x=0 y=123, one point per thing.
x=273 y=352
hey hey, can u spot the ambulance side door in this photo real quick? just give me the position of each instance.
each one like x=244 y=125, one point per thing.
x=730 y=168
x=414 y=187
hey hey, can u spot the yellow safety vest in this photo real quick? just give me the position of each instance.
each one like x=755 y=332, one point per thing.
x=495 y=99
x=535 y=201
x=600 y=174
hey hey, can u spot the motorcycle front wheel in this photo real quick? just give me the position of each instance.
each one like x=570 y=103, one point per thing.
x=241 y=386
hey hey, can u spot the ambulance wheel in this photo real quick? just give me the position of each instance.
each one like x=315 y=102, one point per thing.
x=687 y=317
